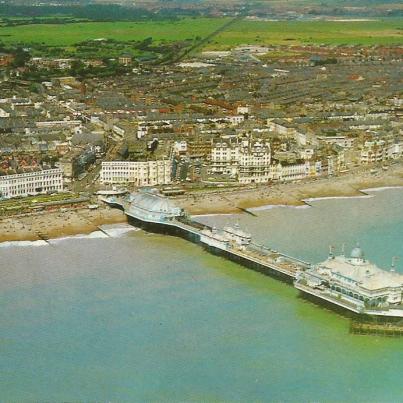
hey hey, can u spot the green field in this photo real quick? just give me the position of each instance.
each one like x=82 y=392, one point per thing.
x=382 y=32
x=70 y=34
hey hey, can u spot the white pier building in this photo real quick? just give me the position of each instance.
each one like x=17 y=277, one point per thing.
x=355 y=284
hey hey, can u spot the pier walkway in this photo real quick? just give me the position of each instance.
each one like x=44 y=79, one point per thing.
x=254 y=253
x=323 y=282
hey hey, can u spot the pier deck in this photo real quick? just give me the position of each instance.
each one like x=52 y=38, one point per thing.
x=155 y=213
x=254 y=253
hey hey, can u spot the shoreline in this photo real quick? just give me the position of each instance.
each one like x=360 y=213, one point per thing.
x=57 y=224
x=291 y=194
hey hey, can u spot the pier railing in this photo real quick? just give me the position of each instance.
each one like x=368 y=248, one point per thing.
x=258 y=254
x=305 y=265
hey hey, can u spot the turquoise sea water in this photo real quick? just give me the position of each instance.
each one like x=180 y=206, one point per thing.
x=152 y=318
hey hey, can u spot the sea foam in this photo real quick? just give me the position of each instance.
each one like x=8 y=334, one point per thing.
x=314 y=199
x=10 y=244
x=273 y=206
x=91 y=235
x=105 y=231
x=382 y=188
x=118 y=230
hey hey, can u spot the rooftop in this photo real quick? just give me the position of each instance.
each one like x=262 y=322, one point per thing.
x=367 y=274
x=149 y=201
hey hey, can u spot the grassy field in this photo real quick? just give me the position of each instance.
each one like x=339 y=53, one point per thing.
x=70 y=34
x=382 y=32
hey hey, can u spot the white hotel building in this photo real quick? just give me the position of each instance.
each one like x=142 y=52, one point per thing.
x=31 y=183
x=248 y=160
x=144 y=173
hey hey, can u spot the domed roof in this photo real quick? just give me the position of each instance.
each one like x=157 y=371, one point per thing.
x=357 y=253
x=152 y=202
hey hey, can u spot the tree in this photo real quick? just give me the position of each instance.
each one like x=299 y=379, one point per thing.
x=77 y=68
x=20 y=57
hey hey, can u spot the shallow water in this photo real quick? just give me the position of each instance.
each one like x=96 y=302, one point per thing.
x=143 y=317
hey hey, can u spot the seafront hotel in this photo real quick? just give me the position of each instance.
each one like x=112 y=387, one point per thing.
x=32 y=183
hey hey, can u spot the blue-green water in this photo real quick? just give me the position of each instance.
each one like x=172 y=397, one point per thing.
x=153 y=318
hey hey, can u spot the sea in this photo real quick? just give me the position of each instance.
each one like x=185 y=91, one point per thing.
x=124 y=315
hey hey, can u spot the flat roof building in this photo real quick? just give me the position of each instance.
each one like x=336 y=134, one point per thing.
x=31 y=183
x=139 y=173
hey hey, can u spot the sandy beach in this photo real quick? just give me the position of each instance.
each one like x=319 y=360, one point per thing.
x=294 y=194
x=47 y=225
x=50 y=225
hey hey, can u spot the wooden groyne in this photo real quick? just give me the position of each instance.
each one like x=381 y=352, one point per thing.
x=378 y=329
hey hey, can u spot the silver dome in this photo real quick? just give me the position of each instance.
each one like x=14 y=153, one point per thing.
x=357 y=253
x=151 y=205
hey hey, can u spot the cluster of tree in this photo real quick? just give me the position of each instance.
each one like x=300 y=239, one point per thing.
x=10 y=22
x=21 y=56
x=366 y=8
x=110 y=68
x=201 y=109
x=322 y=62
x=92 y=12
x=4 y=48
x=78 y=69
x=147 y=50
x=145 y=45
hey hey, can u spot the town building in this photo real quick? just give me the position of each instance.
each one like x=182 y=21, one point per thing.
x=125 y=59
x=67 y=166
x=224 y=158
x=289 y=172
x=342 y=141
x=248 y=160
x=139 y=173
x=395 y=150
x=254 y=162
x=374 y=151
x=180 y=147
x=236 y=120
x=31 y=183
x=6 y=59
x=199 y=148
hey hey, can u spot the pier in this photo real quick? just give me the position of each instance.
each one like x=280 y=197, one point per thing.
x=249 y=254
x=231 y=242
x=352 y=284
